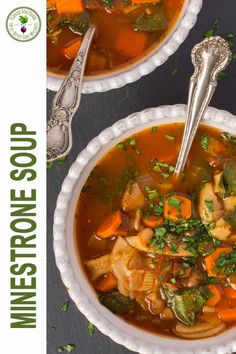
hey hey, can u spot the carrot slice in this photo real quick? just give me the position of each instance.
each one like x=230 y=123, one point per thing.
x=177 y=207
x=51 y=3
x=108 y=283
x=230 y=292
x=131 y=43
x=153 y=221
x=216 y=295
x=71 y=50
x=72 y=7
x=110 y=225
x=210 y=260
x=227 y=315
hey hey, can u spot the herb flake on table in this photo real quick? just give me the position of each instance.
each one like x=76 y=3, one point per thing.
x=209 y=33
x=174 y=72
x=90 y=329
x=68 y=348
x=64 y=307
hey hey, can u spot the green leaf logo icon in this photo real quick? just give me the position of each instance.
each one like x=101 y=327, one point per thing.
x=23 y=19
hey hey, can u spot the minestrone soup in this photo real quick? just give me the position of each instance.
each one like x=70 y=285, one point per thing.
x=126 y=29
x=161 y=252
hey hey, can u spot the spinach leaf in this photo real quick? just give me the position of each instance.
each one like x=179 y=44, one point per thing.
x=79 y=24
x=228 y=179
x=116 y=302
x=186 y=304
x=150 y=23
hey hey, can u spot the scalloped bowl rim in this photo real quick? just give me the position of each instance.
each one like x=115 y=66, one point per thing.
x=68 y=262
x=144 y=66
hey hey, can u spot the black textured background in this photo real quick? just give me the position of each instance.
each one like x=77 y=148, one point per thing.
x=100 y=110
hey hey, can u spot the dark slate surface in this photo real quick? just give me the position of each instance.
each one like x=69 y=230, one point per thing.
x=98 y=111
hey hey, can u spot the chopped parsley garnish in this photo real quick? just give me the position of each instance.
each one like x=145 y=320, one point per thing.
x=62 y=160
x=152 y=194
x=173 y=247
x=158 y=239
x=64 y=307
x=173 y=280
x=221 y=75
x=209 y=33
x=204 y=142
x=108 y=3
x=230 y=40
x=183 y=226
x=174 y=203
x=129 y=142
x=185 y=265
x=158 y=209
x=210 y=280
x=225 y=263
x=49 y=165
x=154 y=129
x=209 y=205
x=163 y=168
x=90 y=329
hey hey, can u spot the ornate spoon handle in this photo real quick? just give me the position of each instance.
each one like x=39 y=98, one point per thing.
x=66 y=103
x=209 y=57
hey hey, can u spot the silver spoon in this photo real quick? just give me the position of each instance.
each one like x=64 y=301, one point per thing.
x=66 y=103
x=209 y=58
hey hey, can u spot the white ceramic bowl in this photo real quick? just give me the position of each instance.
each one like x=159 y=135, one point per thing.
x=71 y=270
x=145 y=65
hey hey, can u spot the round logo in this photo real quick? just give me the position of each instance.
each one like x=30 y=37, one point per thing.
x=23 y=24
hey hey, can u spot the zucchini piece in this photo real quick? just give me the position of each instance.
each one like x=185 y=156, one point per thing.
x=116 y=302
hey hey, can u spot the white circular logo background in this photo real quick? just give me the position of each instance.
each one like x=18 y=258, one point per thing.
x=23 y=24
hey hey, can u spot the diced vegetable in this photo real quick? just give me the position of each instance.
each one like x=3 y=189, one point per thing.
x=186 y=304
x=108 y=283
x=215 y=295
x=145 y=235
x=177 y=207
x=65 y=7
x=99 y=266
x=212 y=258
x=221 y=229
x=110 y=225
x=133 y=197
x=71 y=50
x=227 y=315
x=153 y=221
x=230 y=291
x=51 y=4
x=207 y=214
x=116 y=302
x=228 y=179
x=127 y=36
x=150 y=23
